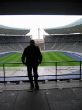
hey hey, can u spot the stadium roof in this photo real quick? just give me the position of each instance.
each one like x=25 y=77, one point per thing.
x=4 y=30
x=75 y=27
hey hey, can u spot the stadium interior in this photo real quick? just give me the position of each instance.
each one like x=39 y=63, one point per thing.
x=67 y=40
x=60 y=73
x=61 y=44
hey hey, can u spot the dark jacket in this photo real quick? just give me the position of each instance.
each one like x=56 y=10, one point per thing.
x=31 y=55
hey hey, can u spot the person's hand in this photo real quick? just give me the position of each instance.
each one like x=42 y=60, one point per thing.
x=24 y=63
x=39 y=62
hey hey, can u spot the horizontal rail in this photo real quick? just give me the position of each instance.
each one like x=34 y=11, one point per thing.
x=42 y=62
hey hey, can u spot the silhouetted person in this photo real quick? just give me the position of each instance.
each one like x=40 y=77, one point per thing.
x=32 y=57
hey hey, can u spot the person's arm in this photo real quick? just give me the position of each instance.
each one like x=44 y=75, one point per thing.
x=23 y=56
x=39 y=56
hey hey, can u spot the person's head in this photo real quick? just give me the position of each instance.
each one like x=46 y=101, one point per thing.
x=32 y=42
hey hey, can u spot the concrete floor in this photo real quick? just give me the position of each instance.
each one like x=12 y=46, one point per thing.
x=62 y=95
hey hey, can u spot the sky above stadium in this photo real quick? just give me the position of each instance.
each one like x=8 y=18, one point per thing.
x=33 y=22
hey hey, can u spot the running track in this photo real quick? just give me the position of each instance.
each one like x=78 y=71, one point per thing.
x=74 y=55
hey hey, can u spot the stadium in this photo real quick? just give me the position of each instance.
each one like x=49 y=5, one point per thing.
x=60 y=73
x=61 y=50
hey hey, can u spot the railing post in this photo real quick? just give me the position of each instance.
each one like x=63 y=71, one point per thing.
x=80 y=70
x=4 y=72
x=56 y=71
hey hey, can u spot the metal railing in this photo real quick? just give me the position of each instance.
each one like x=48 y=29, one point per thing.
x=57 y=67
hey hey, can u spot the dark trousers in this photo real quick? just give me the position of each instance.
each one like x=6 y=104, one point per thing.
x=35 y=74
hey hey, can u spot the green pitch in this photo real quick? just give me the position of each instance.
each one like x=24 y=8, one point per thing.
x=47 y=57
x=58 y=57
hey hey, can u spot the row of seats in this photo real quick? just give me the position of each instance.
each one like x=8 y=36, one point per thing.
x=14 y=39
x=63 y=38
x=13 y=43
x=64 y=43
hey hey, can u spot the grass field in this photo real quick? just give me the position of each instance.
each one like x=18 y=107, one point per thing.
x=47 y=57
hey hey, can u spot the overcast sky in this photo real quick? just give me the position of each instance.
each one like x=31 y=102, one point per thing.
x=33 y=22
